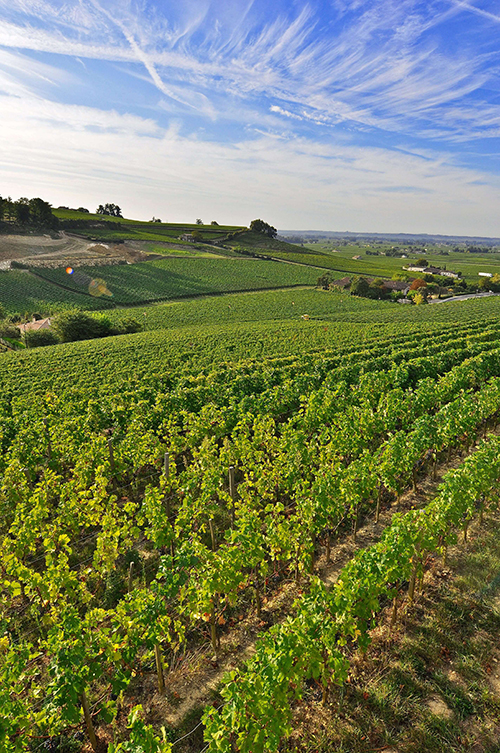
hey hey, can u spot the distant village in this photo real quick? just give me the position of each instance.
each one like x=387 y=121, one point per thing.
x=434 y=283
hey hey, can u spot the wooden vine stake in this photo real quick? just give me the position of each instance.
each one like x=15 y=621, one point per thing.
x=166 y=471
x=466 y=528
x=112 y=461
x=130 y=575
x=258 y=600
x=213 y=628
x=325 y=683
x=413 y=579
x=434 y=466
x=88 y=720
x=379 y=500
x=313 y=554
x=356 y=523
x=28 y=478
x=394 y=615
x=232 y=492
x=159 y=668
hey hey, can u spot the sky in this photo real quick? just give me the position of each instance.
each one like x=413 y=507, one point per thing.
x=360 y=115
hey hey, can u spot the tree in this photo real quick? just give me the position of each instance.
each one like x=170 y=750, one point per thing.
x=155 y=219
x=9 y=331
x=418 y=283
x=41 y=214
x=259 y=226
x=484 y=284
x=110 y=210
x=360 y=287
x=40 y=338
x=83 y=210
x=324 y=281
x=22 y=211
x=214 y=222
x=378 y=289
x=199 y=222
x=422 y=262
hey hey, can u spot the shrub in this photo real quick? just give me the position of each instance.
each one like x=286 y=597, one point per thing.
x=40 y=338
x=8 y=330
x=127 y=326
x=419 y=299
x=80 y=326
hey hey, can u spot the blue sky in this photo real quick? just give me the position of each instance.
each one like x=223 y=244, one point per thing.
x=339 y=115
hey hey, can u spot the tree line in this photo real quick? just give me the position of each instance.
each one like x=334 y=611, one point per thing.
x=110 y=210
x=27 y=213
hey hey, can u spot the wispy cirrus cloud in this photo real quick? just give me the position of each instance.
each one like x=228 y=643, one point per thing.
x=246 y=83
x=379 y=67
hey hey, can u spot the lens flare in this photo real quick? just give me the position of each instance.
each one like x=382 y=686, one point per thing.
x=69 y=270
x=98 y=287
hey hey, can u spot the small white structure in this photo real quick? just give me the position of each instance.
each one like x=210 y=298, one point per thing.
x=485 y=274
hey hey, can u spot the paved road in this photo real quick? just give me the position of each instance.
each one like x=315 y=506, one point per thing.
x=463 y=297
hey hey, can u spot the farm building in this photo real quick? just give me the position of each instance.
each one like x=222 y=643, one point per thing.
x=35 y=325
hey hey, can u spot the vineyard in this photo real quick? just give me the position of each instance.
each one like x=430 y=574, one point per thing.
x=151 y=498
x=21 y=291
x=176 y=278
x=51 y=290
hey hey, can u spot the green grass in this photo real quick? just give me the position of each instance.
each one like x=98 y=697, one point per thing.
x=424 y=686
x=138 y=230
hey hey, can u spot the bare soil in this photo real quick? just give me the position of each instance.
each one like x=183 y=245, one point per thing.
x=63 y=249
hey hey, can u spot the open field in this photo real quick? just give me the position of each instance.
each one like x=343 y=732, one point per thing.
x=97 y=226
x=385 y=266
x=338 y=257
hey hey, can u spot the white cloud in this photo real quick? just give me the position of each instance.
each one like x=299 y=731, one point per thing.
x=82 y=156
x=382 y=67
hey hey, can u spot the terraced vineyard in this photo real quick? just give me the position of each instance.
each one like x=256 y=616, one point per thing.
x=150 y=496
